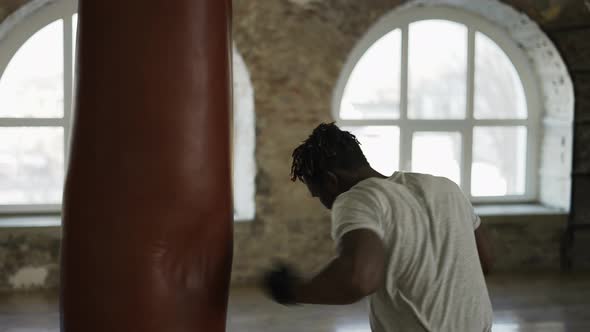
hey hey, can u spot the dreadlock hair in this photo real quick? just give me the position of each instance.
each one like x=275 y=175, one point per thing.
x=326 y=149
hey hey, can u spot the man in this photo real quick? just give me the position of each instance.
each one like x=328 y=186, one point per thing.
x=409 y=241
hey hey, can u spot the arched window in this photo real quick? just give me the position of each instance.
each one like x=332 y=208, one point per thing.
x=38 y=45
x=442 y=91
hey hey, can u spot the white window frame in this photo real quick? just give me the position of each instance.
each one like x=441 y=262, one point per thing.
x=34 y=16
x=400 y=19
x=15 y=35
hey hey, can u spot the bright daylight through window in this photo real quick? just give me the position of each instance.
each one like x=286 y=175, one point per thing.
x=440 y=96
x=31 y=90
x=35 y=114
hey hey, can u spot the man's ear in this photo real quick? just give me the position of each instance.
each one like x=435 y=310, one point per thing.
x=332 y=180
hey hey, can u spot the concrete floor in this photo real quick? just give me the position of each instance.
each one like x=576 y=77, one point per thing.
x=533 y=302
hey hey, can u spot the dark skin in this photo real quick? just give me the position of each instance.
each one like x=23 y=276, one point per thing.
x=359 y=268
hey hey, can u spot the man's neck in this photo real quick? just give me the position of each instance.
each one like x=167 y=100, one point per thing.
x=361 y=175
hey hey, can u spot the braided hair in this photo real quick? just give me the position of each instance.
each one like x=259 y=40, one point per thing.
x=326 y=149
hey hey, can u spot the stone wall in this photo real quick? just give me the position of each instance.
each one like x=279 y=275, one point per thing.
x=294 y=51
x=9 y=6
x=571 y=37
x=29 y=258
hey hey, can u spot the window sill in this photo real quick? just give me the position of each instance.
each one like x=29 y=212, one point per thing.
x=522 y=214
x=30 y=221
x=243 y=221
x=502 y=210
x=47 y=221
x=487 y=210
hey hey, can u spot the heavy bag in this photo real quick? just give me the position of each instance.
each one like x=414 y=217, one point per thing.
x=147 y=215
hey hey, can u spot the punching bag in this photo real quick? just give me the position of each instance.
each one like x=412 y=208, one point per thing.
x=147 y=215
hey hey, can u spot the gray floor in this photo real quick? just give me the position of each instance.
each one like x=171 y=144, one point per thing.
x=532 y=302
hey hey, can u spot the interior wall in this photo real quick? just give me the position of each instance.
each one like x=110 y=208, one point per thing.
x=294 y=51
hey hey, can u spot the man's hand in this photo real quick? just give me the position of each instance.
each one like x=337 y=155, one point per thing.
x=358 y=271
x=280 y=282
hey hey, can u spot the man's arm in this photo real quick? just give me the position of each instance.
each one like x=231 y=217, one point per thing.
x=484 y=250
x=358 y=271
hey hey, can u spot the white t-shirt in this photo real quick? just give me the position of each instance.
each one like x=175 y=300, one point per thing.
x=434 y=279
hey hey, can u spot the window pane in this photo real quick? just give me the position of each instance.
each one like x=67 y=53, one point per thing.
x=437 y=153
x=244 y=140
x=74 y=44
x=499 y=161
x=32 y=84
x=373 y=89
x=437 y=70
x=380 y=144
x=31 y=165
x=499 y=93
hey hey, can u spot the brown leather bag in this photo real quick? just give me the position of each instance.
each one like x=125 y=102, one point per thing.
x=147 y=216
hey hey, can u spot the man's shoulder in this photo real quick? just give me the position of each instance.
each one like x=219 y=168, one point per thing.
x=409 y=178
x=366 y=190
x=373 y=191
